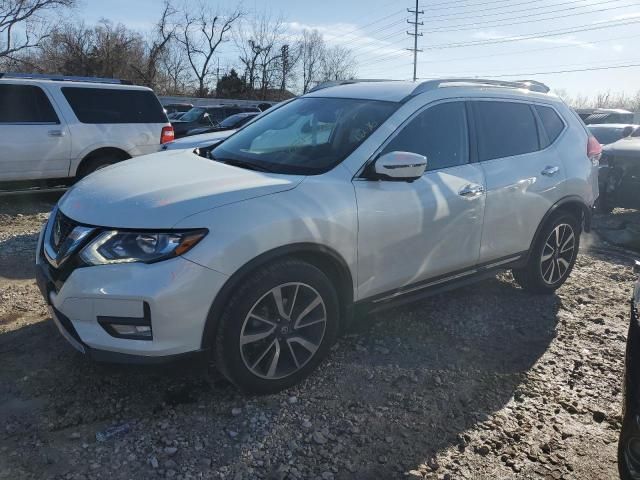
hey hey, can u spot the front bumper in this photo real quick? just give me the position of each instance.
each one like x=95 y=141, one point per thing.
x=175 y=295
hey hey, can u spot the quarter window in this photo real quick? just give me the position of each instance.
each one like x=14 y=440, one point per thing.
x=25 y=104
x=113 y=105
x=439 y=133
x=551 y=122
x=505 y=129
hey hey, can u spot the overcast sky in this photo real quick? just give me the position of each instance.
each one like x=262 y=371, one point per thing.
x=375 y=30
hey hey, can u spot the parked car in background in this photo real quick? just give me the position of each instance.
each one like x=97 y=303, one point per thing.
x=198 y=118
x=203 y=141
x=629 y=440
x=230 y=123
x=605 y=115
x=173 y=108
x=607 y=133
x=619 y=175
x=351 y=197
x=55 y=129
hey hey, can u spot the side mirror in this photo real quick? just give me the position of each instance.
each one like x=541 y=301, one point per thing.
x=404 y=166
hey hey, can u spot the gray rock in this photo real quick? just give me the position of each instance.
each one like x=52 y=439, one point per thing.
x=319 y=438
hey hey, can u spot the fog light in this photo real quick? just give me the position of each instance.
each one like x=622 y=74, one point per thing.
x=142 y=331
x=131 y=328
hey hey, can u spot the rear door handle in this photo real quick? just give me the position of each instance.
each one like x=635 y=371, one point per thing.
x=471 y=190
x=550 y=171
x=56 y=133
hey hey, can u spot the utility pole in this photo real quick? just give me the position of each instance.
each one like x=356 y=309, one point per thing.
x=415 y=36
x=285 y=67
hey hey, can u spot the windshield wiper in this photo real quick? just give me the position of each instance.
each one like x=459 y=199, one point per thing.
x=243 y=164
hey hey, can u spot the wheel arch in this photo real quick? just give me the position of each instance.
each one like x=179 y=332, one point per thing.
x=99 y=152
x=321 y=256
x=572 y=204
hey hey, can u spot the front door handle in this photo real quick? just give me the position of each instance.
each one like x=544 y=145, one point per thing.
x=56 y=133
x=550 y=171
x=471 y=191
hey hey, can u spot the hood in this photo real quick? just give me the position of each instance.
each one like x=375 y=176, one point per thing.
x=159 y=190
x=197 y=141
x=625 y=146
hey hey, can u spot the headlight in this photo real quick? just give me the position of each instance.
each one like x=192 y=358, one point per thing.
x=147 y=247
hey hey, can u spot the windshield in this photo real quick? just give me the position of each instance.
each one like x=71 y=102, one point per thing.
x=192 y=115
x=232 y=120
x=307 y=136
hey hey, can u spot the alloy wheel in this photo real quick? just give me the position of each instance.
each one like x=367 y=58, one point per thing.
x=283 y=330
x=557 y=254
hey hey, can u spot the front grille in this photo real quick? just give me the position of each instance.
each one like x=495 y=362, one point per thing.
x=62 y=227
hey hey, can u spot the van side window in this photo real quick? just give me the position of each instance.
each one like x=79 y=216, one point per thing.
x=114 y=105
x=25 y=104
x=439 y=133
x=505 y=129
x=551 y=122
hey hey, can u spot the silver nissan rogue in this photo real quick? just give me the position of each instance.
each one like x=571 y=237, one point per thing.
x=357 y=195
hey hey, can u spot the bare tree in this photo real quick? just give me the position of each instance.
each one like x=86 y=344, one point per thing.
x=311 y=51
x=21 y=23
x=338 y=64
x=174 y=69
x=163 y=34
x=200 y=35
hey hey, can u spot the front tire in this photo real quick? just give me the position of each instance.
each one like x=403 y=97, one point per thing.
x=552 y=257
x=277 y=327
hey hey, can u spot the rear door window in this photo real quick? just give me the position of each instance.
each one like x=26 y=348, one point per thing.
x=551 y=122
x=110 y=105
x=25 y=104
x=505 y=129
x=439 y=133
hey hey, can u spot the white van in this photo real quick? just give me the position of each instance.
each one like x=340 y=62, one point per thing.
x=55 y=129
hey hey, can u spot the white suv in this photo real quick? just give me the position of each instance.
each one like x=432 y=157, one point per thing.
x=56 y=129
x=355 y=195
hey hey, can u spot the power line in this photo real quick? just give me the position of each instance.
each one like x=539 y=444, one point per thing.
x=452 y=5
x=533 y=36
x=475 y=25
x=415 y=36
x=504 y=10
x=532 y=50
x=590 y=69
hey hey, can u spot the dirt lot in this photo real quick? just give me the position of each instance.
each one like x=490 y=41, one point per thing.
x=483 y=382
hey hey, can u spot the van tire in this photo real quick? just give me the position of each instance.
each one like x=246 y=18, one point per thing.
x=94 y=164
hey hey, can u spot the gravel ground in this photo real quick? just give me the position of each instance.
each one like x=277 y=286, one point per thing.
x=483 y=382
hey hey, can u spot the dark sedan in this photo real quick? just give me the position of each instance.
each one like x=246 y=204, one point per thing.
x=629 y=443
x=230 y=123
x=619 y=177
x=200 y=119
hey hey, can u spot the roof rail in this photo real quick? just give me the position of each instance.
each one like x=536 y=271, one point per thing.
x=64 y=78
x=335 y=83
x=531 y=85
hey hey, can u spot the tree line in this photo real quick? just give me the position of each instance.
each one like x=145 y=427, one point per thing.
x=181 y=54
x=602 y=100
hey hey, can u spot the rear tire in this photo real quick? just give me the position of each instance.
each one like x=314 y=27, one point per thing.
x=553 y=256
x=277 y=327
x=94 y=164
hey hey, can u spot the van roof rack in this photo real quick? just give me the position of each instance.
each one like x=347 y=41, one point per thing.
x=531 y=85
x=64 y=78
